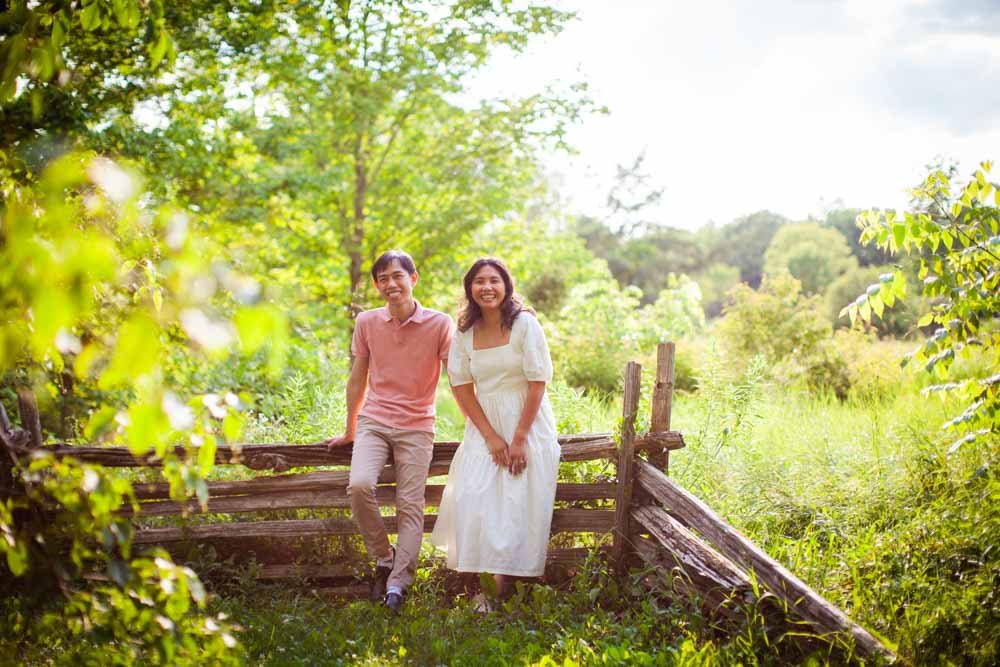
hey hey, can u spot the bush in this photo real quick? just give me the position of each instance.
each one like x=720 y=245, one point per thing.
x=775 y=322
x=597 y=332
x=601 y=328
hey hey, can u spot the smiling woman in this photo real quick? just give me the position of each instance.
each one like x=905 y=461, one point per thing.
x=489 y=287
x=496 y=510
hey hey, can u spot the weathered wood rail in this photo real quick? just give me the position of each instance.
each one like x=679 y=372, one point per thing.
x=651 y=519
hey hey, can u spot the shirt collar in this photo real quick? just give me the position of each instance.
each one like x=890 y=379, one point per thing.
x=419 y=315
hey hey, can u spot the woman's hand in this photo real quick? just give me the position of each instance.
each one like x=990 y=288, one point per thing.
x=518 y=454
x=498 y=450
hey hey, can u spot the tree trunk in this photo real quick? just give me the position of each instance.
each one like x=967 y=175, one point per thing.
x=355 y=241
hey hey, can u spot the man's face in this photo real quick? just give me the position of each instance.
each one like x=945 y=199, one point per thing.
x=395 y=284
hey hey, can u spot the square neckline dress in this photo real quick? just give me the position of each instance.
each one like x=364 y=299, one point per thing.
x=489 y=520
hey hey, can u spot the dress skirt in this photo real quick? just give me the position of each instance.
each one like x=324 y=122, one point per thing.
x=492 y=521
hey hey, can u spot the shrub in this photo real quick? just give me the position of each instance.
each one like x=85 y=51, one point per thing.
x=775 y=322
x=597 y=332
x=601 y=328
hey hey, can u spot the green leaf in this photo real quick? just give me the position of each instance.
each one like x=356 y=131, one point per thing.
x=206 y=455
x=99 y=423
x=877 y=306
x=899 y=234
x=899 y=285
x=137 y=352
x=58 y=33
x=232 y=425
x=159 y=48
x=90 y=17
x=865 y=311
x=147 y=427
x=17 y=558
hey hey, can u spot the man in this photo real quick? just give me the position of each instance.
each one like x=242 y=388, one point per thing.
x=397 y=355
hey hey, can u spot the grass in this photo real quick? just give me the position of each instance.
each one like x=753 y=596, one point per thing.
x=858 y=498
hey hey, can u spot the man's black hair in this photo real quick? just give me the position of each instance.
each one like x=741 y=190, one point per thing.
x=390 y=256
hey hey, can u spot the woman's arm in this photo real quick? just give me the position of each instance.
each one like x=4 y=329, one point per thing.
x=465 y=395
x=519 y=444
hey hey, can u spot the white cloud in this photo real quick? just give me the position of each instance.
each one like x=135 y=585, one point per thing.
x=749 y=105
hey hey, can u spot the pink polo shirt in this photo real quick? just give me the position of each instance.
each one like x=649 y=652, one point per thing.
x=404 y=364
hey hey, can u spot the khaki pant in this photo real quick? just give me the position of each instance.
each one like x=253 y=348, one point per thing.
x=411 y=453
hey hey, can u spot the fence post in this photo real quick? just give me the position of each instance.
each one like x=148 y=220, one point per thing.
x=6 y=455
x=662 y=401
x=30 y=422
x=626 y=464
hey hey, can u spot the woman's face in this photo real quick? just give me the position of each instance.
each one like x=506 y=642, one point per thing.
x=487 y=288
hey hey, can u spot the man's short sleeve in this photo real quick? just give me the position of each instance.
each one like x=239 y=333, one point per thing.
x=359 y=342
x=444 y=344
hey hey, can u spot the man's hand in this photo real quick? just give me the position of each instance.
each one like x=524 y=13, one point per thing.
x=518 y=455
x=498 y=450
x=338 y=441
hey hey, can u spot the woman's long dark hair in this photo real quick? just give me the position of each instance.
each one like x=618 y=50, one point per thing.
x=510 y=307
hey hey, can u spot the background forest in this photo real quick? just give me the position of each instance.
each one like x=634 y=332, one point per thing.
x=192 y=195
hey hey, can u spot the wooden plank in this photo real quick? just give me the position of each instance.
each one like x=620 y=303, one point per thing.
x=662 y=400
x=330 y=496
x=669 y=577
x=322 y=480
x=694 y=557
x=657 y=441
x=283 y=457
x=563 y=520
x=626 y=461
x=809 y=604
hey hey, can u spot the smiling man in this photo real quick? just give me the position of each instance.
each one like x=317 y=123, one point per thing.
x=397 y=355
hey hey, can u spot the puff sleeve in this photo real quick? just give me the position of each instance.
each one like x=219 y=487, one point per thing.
x=459 y=355
x=536 y=362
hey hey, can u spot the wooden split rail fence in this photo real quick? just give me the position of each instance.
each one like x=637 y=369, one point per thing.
x=653 y=520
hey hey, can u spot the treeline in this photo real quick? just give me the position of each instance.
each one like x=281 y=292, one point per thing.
x=826 y=256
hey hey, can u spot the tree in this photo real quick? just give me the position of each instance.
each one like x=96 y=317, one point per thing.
x=363 y=145
x=742 y=243
x=813 y=254
x=954 y=233
x=642 y=254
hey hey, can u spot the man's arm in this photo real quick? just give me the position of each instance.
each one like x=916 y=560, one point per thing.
x=356 y=385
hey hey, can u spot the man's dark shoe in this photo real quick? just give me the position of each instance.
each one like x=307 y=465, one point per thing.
x=380 y=578
x=394 y=601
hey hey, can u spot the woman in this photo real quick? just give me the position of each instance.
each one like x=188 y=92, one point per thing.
x=496 y=509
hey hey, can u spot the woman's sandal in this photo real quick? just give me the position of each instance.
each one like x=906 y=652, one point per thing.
x=483 y=604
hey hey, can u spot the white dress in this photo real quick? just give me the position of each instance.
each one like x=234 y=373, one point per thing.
x=489 y=520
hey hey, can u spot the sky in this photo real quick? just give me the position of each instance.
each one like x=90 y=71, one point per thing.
x=794 y=106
